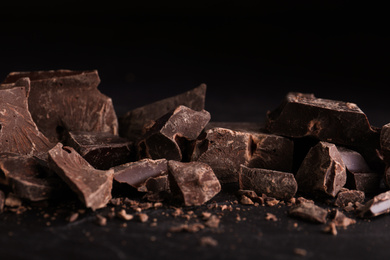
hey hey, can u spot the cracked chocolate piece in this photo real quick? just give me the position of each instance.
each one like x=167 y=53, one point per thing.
x=349 y=196
x=136 y=174
x=101 y=149
x=310 y=212
x=18 y=132
x=322 y=171
x=92 y=186
x=379 y=205
x=28 y=178
x=170 y=135
x=277 y=184
x=195 y=182
x=65 y=99
x=133 y=123
x=327 y=120
x=2 y=201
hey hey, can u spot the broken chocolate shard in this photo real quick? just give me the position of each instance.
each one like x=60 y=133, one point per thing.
x=379 y=205
x=349 y=196
x=137 y=173
x=310 y=212
x=133 y=122
x=101 y=149
x=92 y=186
x=277 y=184
x=65 y=99
x=18 y=132
x=171 y=133
x=333 y=121
x=194 y=182
x=322 y=171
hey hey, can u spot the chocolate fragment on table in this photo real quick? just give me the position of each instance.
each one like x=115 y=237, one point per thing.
x=2 y=201
x=340 y=219
x=309 y=211
x=66 y=99
x=378 y=205
x=136 y=174
x=194 y=182
x=338 y=122
x=345 y=197
x=170 y=136
x=18 y=132
x=322 y=171
x=133 y=123
x=92 y=186
x=101 y=149
x=277 y=184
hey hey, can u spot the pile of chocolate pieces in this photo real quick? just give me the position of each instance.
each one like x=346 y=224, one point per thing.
x=59 y=134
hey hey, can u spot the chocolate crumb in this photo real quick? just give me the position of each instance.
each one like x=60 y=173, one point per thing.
x=270 y=216
x=100 y=220
x=143 y=217
x=123 y=215
x=73 y=217
x=208 y=241
x=300 y=251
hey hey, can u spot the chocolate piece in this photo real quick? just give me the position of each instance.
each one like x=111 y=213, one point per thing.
x=379 y=205
x=340 y=220
x=349 y=196
x=327 y=120
x=385 y=142
x=65 y=99
x=101 y=149
x=194 y=181
x=28 y=178
x=2 y=201
x=92 y=186
x=137 y=173
x=309 y=211
x=322 y=171
x=133 y=122
x=172 y=132
x=281 y=185
x=18 y=132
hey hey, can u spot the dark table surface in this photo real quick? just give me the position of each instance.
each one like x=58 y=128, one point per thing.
x=250 y=56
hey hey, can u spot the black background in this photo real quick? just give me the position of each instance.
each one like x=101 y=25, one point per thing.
x=250 y=54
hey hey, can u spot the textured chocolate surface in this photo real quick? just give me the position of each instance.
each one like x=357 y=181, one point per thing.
x=309 y=211
x=349 y=196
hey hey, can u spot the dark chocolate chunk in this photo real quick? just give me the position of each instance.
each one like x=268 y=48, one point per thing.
x=28 y=178
x=101 y=149
x=18 y=132
x=133 y=122
x=195 y=182
x=309 y=211
x=137 y=173
x=349 y=196
x=327 y=120
x=2 y=201
x=171 y=133
x=322 y=171
x=280 y=185
x=65 y=99
x=92 y=186
x=379 y=205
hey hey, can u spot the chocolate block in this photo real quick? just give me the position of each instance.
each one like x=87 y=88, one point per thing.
x=349 y=196
x=327 y=120
x=137 y=173
x=195 y=182
x=280 y=185
x=2 y=201
x=18 y=132
x=322 y=171
x=65 y=99
x=379 y=205
x=101 y=149
x=92 y=186
x=170 y=135
x=310 y=212
x=28 y=178
x=133 y=122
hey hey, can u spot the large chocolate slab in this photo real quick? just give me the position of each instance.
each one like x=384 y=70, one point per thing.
x=18 y=132
x=277 y=184
x=137 y=173
x=194 y=181
x=92 y=186
x=133 y=122
x=101 y=149
x=378 y=205
x=338 y=122
x=322 y=171
x=65 y=99
x=170 y=135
